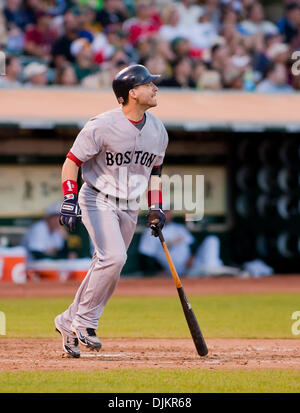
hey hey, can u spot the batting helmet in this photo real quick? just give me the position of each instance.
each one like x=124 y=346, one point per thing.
x=129 y=78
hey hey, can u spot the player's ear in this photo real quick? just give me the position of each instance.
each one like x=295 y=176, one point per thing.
x=132 y=93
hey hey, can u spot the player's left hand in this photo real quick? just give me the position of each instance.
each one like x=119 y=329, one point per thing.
x=69 y=212
x=156 y=220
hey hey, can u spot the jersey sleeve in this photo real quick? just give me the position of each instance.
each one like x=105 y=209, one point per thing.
x=88 y=142
x=160 y=158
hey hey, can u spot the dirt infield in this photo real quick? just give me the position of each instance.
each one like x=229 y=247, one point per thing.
x=160 y=287
x=45 y=354
x=119 y=353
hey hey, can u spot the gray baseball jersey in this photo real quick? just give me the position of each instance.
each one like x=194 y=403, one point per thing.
x=110 y=143
x=116 y=154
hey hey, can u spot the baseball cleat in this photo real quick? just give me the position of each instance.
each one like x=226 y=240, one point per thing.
x=87 y=337
x=70 y=341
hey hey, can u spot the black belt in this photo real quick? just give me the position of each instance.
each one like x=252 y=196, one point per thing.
x=114 y=198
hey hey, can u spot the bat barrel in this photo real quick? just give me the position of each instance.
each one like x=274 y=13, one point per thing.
x=193 y=324
x=187 y=308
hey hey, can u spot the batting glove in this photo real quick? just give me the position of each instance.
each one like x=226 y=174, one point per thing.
x=156 y=220
x=69 y=212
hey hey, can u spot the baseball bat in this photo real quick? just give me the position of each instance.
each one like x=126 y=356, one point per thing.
x=187 y=308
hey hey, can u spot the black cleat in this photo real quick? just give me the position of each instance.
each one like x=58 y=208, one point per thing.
x=70 y=342
x=88 y=337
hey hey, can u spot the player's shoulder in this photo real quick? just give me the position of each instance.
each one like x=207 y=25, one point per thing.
x=103 y=118
x=154 y=119
x=156 y=123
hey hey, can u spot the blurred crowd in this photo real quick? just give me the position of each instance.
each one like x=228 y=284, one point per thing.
x=204 y=45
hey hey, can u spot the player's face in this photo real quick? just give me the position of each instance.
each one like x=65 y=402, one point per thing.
x=146 y=94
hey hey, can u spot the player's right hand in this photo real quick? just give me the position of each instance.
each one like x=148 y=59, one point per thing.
x=69 y=212
x=156 y=220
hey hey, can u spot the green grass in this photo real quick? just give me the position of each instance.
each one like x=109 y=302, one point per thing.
x=152 y=381
x=250 y=316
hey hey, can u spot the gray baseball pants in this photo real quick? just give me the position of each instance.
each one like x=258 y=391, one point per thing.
x=111 y=229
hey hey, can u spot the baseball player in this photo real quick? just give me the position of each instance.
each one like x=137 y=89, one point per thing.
x=121 y=154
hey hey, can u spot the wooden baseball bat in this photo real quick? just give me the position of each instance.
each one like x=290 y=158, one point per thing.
x=187 y=308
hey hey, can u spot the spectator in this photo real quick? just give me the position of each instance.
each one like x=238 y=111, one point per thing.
x=224 y=34
x=14 y=13
x=260 y=60
x=240 y=57
x=295 y=42
x=40 y=38
x=296 y=82
x=229 y=17
x=163 y=48
x=189 y=12
x=202 y=34
x=157 y=64
x=102 y=50
x=199 y=68
x=270 y=39
x=31 y=9
x=46 y=238
x=278 y=53
x=170 y=28
x=65 y=75
x=15 y=40
x=246 y=4
x=220 y=57
x=113 y=13
x=210 y=80
x=213 y=12
x=13 y=69
x=55 y=7
x=235 y=5
x=289 y=24
x=231 y=36
x=155 y=45
x=88 y=21
x=178 y=240
x=117 y=38
x=207 y=261
x=3 y=30
x=144 y=49
x=181 y=47
x=104 y=77
x=61 y=50
x=84 y=59
x=233 y=79
x=275 y=81
x=207 y=257
x=144 y=25
x=182 y=75
x=35 y=74
x=256 y=23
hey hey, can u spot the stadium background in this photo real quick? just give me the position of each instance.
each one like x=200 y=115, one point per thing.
x=253 y=205
x=245 y=144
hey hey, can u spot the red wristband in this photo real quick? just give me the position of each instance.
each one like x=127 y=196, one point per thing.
x=69 y=187
x=155 y=198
